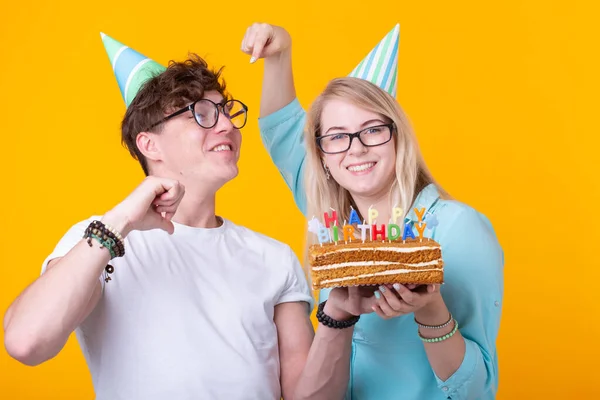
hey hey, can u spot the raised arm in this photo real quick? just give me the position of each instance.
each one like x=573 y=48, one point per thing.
x=282 y=118
x=39 y=322
x=274 y=45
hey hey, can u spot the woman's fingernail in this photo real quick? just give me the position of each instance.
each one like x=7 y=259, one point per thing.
x=377 y=294
x=252 y=60
x=382 y=288
x=397 y=286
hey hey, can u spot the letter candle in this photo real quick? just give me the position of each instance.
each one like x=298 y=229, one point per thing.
x=391 y=235
x=420 y=225
x=396 y=213
x=329 y=220
x=348 y=232
x=421 y=228
x=373 y=213
x=335 y=232
x=331 y=231
x=353 y=217
x=363 y=231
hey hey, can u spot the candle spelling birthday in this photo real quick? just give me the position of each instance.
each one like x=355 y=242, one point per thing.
x=372 y=252
x=330 y=231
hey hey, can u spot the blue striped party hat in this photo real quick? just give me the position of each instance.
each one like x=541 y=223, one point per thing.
x=131 y=68
x=380 y=66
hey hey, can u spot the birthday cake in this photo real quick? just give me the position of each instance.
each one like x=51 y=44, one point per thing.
x=387 y=255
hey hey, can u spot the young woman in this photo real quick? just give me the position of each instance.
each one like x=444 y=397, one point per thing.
x=358 y=149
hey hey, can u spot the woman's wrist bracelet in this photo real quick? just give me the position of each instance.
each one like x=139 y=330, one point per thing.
x=441 y=338
x=445 y=324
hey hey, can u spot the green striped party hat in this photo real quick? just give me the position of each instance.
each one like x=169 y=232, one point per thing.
x=380 y=66
x=131 y=68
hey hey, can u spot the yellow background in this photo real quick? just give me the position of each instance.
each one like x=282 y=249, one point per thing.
x=503 y=96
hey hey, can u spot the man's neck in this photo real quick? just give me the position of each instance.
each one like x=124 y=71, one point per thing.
x=197 y=209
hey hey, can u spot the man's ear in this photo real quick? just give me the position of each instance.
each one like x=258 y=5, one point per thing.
x=148 y=146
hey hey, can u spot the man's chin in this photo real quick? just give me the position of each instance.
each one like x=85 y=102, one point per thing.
x=211 y=180
x=222 y=177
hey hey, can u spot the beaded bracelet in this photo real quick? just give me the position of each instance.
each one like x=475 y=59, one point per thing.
x=108 y=243
x=114 y=232
x=445 y=324
x=441 y=338
x=107 y=237
x=332 y=323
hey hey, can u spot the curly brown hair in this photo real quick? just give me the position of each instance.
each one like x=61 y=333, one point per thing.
x=179 y=85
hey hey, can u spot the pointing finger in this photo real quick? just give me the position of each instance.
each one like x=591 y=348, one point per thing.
x=251 y=43
x=259 y=43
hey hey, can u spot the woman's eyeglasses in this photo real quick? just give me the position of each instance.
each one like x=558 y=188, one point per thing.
x=369 y=137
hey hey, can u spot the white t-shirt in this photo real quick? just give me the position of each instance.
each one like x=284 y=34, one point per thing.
x=189 y=315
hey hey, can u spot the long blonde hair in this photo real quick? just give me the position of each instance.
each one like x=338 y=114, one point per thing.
x=412 y=174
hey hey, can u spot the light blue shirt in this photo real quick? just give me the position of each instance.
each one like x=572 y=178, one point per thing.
x=388 y=359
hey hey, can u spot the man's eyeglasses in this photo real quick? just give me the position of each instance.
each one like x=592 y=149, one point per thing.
x=206 y=113
x=369 y=137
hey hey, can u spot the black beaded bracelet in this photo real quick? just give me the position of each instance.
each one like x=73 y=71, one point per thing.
x=332 y=323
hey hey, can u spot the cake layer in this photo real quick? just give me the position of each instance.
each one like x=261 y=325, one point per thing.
x=405 y=255
x=357 y=267
x=417 y=261
x=389 y=276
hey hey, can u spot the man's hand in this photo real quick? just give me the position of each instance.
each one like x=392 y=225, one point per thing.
x=346 y=302
x=264 y=40
x=150 y=206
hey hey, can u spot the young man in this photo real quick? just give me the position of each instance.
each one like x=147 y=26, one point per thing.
x=167 y=299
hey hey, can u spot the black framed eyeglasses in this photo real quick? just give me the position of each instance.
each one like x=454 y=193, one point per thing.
x=206 y=113
x=369 y=137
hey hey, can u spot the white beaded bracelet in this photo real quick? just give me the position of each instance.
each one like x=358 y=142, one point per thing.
x=435 y=326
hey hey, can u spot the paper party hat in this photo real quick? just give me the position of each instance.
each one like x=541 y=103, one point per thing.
x=131 y=68
x=380 y=66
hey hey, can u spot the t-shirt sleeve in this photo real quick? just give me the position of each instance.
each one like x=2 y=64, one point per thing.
x=296 y=285
x=69 y=240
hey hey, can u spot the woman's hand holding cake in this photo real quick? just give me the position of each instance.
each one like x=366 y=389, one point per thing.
x=396 y=300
